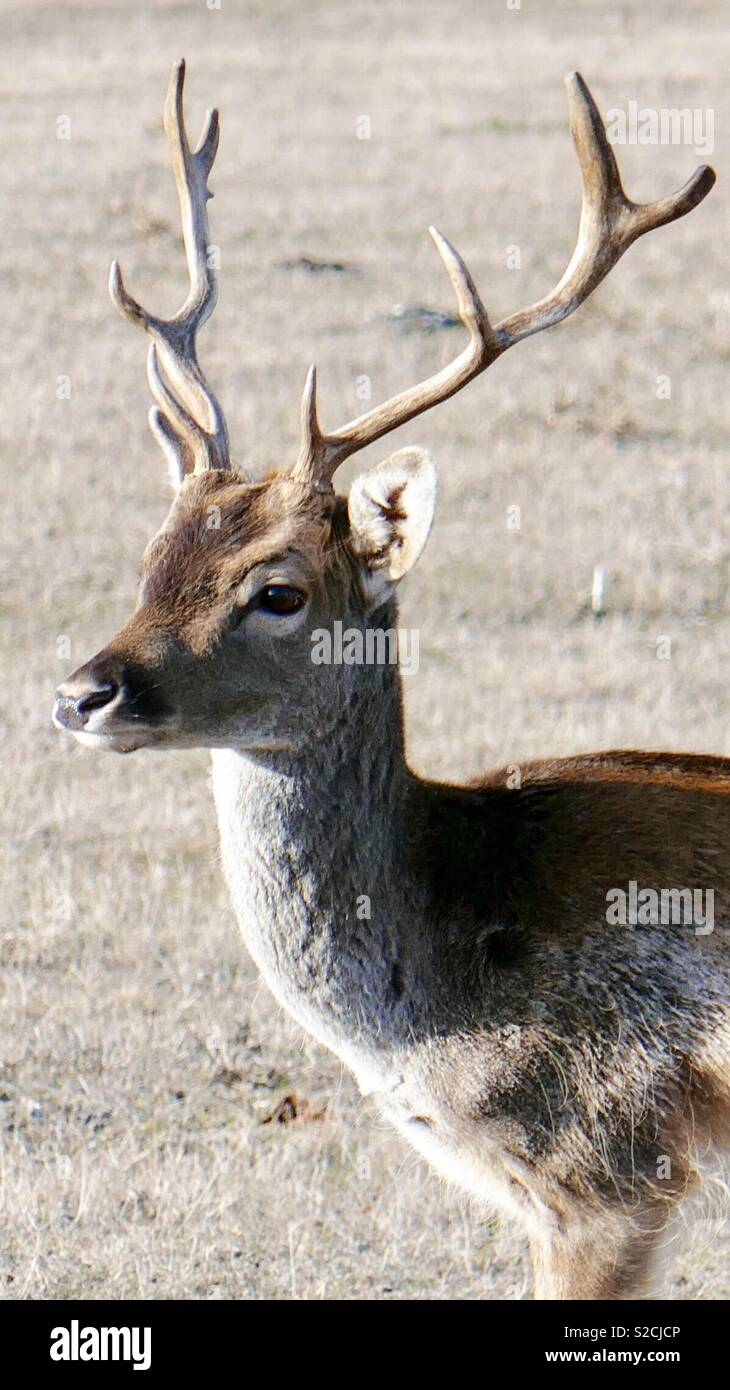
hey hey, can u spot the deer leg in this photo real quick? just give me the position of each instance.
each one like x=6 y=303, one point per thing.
x=605 y=1260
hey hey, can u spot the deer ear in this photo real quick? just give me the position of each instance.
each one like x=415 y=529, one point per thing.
x=391 y=509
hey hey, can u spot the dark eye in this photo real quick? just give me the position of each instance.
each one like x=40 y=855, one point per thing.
x=280 y=599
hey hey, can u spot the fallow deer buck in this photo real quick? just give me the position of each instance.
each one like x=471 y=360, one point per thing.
x=573 y=1072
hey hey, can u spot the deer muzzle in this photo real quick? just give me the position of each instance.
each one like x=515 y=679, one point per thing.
x=111 y=703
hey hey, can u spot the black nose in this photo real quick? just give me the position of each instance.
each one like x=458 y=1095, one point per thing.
x=76 y=700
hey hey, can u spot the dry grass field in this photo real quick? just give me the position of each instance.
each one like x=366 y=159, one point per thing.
x=139 y=1054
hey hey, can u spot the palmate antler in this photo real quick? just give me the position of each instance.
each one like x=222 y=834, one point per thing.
x=609 y=223
x=188 y=421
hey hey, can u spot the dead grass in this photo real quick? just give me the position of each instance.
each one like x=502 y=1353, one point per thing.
x=138 y=1052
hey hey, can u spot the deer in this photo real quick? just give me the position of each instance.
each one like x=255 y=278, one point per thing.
x=451 y=945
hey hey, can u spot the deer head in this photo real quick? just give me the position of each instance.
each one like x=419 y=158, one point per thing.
x=218 y=651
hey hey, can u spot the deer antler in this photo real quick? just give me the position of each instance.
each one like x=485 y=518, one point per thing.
x=609 y=223
x=188 y=421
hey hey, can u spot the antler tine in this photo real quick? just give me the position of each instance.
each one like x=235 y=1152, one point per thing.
x=191 y=178
x=609 y=223
x=189 y=423
x=320 y=455
x=178 y=457
x=313 y=442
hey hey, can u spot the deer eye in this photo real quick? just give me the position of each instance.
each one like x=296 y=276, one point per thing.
x=280 y=599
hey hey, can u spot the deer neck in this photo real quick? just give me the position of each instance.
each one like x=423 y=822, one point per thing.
x=310 y=843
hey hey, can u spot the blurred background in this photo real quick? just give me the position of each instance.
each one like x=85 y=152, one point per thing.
x=139 y=1054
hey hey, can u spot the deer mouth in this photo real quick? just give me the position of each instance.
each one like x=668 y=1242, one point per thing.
x=117 y=737
x=114 y=743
